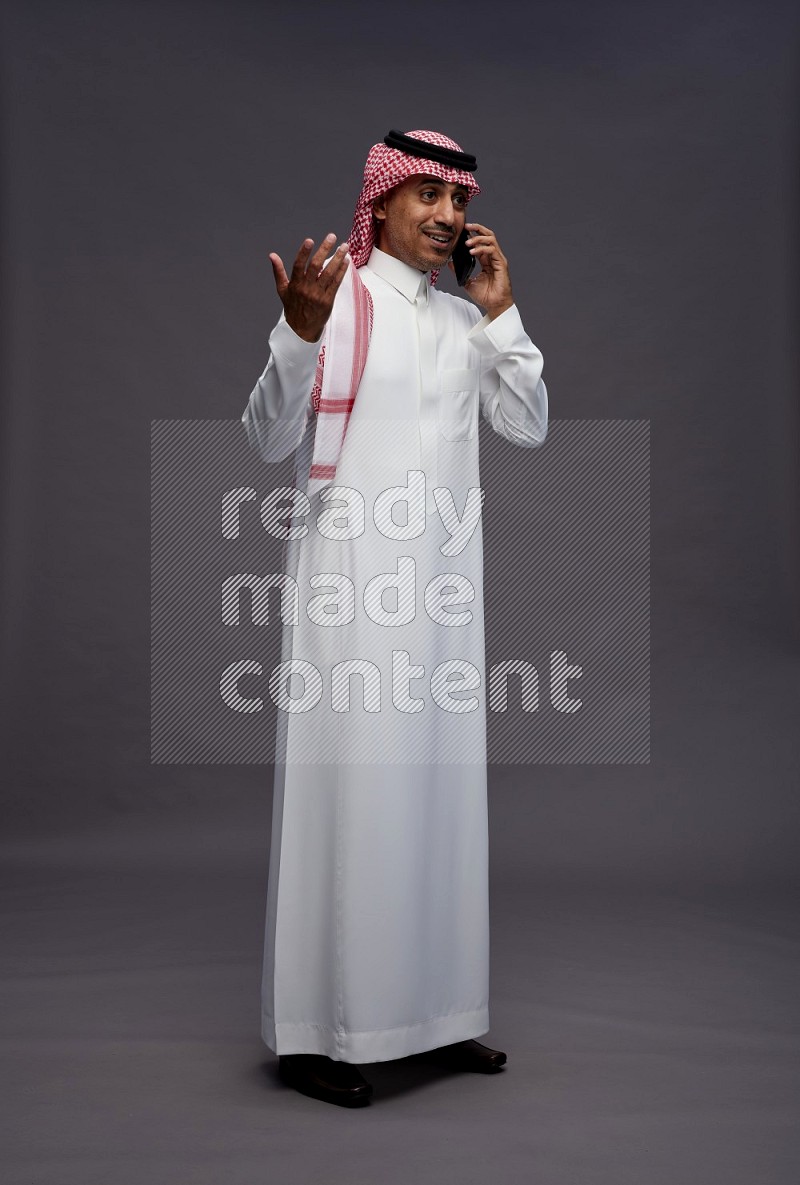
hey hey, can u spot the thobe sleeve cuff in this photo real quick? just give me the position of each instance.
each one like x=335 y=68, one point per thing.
x=278 y=409
x=513 y=395
x=498 y=336
x=290 y=347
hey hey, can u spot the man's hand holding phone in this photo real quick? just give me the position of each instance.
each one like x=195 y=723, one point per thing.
x=491 y=288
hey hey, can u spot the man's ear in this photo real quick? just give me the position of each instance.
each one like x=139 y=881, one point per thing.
x=379 y=208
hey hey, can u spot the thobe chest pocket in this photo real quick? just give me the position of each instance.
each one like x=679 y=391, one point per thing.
x=458 y=403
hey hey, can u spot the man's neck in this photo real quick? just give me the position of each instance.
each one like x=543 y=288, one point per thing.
x=385 y=251
x=402 y=276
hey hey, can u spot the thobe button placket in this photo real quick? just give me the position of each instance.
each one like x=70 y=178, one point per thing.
x=427 y=392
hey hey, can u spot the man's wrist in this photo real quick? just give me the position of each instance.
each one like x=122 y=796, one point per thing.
x=504 y=333
x=303 y=332
x=498 y=310
x=289 y=346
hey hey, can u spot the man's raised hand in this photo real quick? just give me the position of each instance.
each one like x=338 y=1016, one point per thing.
x=491 y=287
x=309 y=292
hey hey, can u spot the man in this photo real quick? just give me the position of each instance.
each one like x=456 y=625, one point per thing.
x=377 y=937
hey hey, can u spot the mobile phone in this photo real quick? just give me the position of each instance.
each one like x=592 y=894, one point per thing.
x=463 y=262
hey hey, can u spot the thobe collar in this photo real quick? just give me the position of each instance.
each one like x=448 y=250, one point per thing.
x=408 y=281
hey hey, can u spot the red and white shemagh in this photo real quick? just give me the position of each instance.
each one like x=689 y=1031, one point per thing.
x=346 y=338
x=387 y=167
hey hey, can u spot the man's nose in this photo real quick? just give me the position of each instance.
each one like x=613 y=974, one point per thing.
x=446 y=212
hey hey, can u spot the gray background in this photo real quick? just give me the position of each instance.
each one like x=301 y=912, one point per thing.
x=639 y=165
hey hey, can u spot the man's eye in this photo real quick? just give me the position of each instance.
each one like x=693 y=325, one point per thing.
x=429 y=193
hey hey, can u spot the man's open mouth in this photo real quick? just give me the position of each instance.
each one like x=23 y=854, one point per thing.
x=440 y=240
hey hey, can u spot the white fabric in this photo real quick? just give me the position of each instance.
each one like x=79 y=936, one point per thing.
x=377 y=934
x=340 y=365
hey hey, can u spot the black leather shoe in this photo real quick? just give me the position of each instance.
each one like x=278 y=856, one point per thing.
x=467 y=1055
x=321 y=1077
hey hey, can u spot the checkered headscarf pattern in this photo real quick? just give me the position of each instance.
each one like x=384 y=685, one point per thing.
x=387 y=167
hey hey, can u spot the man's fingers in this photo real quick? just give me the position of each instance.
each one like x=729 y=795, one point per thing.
x=485 y=245
x=321 y=254
x=334 y=272
x=487 y=254
x=335 y=282
x=480 y=241
x=481 y=235
x=298 y=270
x=347 y=262
x=279 y=272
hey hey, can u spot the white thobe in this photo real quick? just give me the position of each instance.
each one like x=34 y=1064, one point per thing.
x=377 y=929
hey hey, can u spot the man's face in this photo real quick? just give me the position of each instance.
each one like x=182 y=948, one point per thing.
x=420 y=220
